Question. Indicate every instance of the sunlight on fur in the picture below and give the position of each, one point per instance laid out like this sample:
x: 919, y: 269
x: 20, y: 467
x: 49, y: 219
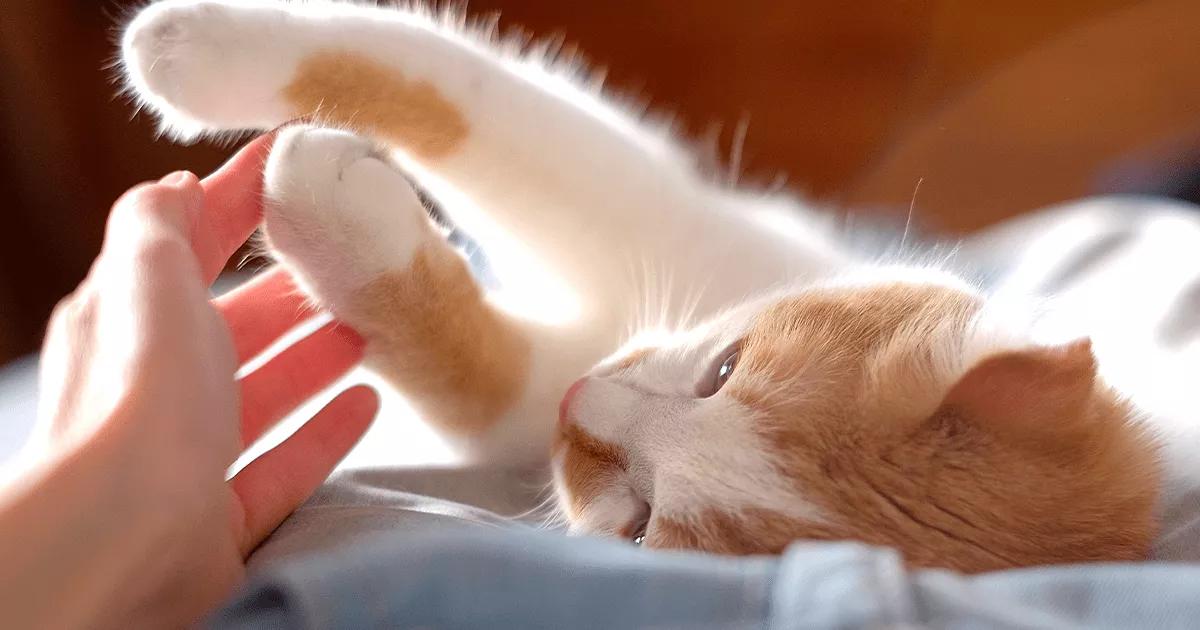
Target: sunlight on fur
x: 701, y: 367
x: 531, y: 289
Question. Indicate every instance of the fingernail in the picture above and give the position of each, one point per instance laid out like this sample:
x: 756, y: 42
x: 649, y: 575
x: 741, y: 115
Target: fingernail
x: 186, y: 183
x: 176, y: 179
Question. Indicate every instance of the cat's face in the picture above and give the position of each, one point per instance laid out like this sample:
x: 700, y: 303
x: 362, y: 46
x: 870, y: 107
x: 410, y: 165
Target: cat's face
x: 886, y: 412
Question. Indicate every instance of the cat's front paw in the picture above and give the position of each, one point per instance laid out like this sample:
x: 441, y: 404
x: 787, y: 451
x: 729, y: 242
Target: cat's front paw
x: 206, y: 63
x: 338, y: 211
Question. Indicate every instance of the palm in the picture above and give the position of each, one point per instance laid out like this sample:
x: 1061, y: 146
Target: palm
x: 140, y: 363
x: 186, y: 350
x: 256, y: 315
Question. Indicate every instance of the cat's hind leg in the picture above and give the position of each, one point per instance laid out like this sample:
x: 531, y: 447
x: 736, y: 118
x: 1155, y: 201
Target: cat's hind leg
x: 348, y: 224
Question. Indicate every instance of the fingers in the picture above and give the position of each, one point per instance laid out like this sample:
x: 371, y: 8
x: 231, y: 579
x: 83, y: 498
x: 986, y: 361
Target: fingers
x: 161, y: 210
x: 215, y: 216
x: 274, y: 485
x: 297, y: 374
x: 232, y: 206
x: 262, y: 310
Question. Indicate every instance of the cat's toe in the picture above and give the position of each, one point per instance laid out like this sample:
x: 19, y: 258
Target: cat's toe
x: 199, y: 64
x: 338, y: 210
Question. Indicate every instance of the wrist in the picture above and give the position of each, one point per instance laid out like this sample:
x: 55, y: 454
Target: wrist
x: 74, y: 537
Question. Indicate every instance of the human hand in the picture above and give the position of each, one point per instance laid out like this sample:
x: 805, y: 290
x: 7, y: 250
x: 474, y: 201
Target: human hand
x: 139, y: 388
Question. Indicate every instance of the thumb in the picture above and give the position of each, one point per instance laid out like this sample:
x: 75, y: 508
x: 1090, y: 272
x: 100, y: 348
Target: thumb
x: 166, y: 208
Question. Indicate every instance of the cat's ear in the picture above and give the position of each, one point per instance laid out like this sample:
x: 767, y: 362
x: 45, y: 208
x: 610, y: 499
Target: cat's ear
x: 1035, y: 393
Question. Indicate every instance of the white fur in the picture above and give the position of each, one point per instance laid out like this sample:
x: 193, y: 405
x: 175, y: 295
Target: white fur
x: 583, y: 188
x: 570, y: 164
x: 605, y: 200
x: 686, y: 453
x: 339, y: 214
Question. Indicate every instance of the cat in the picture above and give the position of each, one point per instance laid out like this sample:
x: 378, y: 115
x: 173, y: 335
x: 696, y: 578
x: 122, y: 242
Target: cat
x: 822, y: 397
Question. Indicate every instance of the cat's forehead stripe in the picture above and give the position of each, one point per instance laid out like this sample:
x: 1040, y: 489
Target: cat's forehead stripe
x: 633, y: 358
x: 857, y: 318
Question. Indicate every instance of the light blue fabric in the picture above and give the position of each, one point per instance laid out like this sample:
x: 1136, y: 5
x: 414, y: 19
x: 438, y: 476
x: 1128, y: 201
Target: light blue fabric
x: 514, y: 578
x: 523, y: 579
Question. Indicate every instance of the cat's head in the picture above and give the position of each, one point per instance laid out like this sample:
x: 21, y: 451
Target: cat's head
x: 891, y: 412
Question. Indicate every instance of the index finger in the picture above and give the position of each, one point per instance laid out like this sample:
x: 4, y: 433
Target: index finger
x: 232, y: 206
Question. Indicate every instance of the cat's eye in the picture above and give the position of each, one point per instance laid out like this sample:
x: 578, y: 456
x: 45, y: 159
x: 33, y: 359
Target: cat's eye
x: 725, y: 370
x: 716, y: 376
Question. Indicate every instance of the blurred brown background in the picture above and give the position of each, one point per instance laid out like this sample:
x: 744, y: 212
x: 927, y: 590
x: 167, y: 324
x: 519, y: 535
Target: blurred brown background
x: 1001, y: 107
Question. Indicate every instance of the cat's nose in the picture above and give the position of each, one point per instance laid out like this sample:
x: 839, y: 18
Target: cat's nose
x: 564, y: 406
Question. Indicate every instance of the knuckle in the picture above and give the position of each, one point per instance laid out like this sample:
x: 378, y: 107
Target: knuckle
x: 73, y: 309
x: 64, y: 309
x: 151, y: 201
x: 164, y: 251
x: 158, y: 200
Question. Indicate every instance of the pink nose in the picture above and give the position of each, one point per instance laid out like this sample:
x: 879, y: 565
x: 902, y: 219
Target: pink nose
x: 564, y: 406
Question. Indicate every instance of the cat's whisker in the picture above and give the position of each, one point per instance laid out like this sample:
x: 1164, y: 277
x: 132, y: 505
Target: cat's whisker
x: 912, y: 206
x: 653, y: 295
x: 737, y: 146
x: 664, y: 298
x: 691, y: 305
x: 546, y: 510
x: 632, y: 280
x: 644, y: 303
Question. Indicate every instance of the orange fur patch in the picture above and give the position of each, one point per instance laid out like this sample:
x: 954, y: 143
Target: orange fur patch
x: 747, y: 532
x: 847, y: 325
x: 1028, y: 459
x: 1023, y: 458
x: 352, y: 91
x: 588, y: 466
x: 631, y: 359
x: 461, y: 362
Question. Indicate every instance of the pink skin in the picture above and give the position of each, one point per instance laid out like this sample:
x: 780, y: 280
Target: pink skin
x: 125, y: 519
x: 564, y: 406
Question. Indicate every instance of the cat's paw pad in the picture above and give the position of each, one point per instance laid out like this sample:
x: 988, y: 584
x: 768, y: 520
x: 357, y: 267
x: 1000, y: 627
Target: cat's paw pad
x: 338, y: 211
x: 203, y: 62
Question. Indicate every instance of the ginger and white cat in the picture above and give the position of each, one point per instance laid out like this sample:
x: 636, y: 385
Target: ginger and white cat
x: 823, y: 397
